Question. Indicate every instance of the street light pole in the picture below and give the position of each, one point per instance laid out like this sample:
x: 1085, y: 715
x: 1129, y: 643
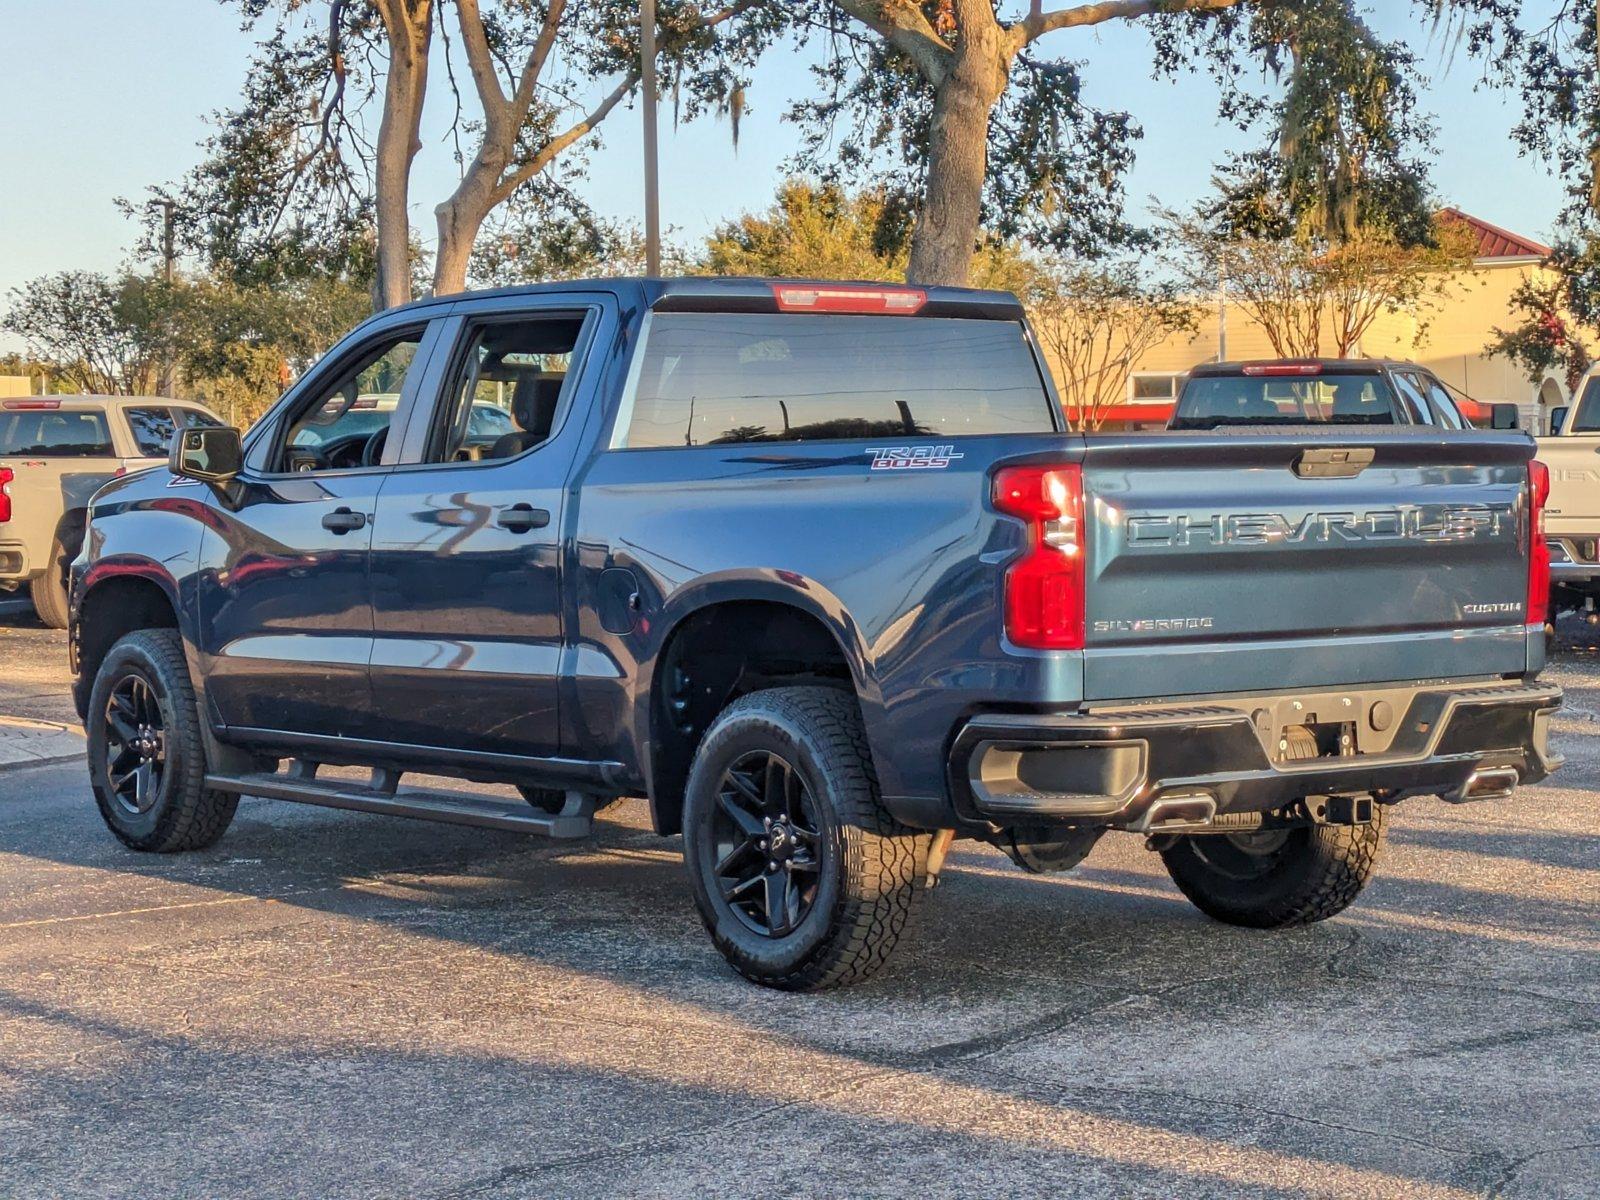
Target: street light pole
x: 647, y: 84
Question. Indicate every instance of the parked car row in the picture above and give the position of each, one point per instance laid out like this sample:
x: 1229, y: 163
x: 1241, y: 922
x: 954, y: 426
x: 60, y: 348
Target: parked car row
x: 818, y: 570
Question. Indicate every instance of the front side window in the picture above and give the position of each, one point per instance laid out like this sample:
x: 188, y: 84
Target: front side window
x: 507, y: 390
x: 719, y: 378
x: 1443, y: 403
x: 1213, y: 401
x: 347, y: 424
x: 54, y: 434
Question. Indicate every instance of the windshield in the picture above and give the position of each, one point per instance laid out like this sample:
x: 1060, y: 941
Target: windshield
x: 1210, y: 401
x: 340, y: 417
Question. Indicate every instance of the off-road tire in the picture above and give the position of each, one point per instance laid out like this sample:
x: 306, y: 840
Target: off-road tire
x: 49, y: 590
x: 186, y: 814
x: 874, y: 871
x: 1317, y: 874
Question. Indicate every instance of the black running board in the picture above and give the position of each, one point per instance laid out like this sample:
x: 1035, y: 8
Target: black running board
x: 451, y: 808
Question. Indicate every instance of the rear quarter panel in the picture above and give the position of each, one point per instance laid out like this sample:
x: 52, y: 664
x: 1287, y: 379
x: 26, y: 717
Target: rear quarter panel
x: 904, y: 567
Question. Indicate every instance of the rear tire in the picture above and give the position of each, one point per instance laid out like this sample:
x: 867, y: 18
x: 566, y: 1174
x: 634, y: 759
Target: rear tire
x: 1276, y: 878
x: 147, y: 758
x: 49, y: 591
x: 802, y: 877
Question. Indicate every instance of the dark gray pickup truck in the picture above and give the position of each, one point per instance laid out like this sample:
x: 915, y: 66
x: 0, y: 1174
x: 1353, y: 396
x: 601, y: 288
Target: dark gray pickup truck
x: 816, y: 569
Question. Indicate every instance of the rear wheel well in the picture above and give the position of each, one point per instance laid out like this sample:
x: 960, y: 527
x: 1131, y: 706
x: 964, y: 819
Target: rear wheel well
x: 712, y: 658
x: 109, y: 612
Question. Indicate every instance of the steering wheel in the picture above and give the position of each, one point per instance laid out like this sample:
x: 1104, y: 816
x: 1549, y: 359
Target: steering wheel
x: 373, y: 450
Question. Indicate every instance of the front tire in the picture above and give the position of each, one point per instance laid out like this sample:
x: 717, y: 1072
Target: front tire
x: 1276, y: 878
x: 802, y: 877
x: 147, y: 759
x: 49, y: 590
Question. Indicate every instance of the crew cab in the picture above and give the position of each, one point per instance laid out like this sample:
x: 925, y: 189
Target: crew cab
x: 1297, y: 391
x: 54, y: 452
x: 818, y: 571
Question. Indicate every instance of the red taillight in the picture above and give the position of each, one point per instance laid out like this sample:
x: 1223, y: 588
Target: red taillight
x: 1538, y: 548
x: 804, y: 298
x: 6, y: 476
x: 1045, y: 587
x: 29, y: 405
x: 1282, y: 368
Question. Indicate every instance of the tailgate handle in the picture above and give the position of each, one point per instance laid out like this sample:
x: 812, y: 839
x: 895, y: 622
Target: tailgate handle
x: 1333, y: 463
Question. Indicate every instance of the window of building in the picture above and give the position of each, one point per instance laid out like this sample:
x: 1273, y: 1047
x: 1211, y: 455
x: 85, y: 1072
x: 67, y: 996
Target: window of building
x: 1153, y: 389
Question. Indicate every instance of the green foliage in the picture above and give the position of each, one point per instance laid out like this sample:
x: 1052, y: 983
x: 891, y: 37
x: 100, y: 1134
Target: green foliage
x: 1056, y: 162
x: 1543, y: 341
x: 234, y: 346
x: 821, y: 231
x: 1344, y: 137
x: 102, y: 334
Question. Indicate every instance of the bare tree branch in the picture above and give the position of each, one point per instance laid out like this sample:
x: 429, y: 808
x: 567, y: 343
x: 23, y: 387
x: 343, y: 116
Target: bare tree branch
x: 903, y: 25
x: 1038, y: 22
x: 547, y: 154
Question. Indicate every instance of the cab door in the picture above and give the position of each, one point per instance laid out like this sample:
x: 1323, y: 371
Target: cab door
x: 285, y: 595
x: 467, y: 556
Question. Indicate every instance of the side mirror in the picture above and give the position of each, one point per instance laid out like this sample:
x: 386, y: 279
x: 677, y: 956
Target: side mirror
x: 211, y: 454
x: 1558, y: 418
x: 1502, y: 416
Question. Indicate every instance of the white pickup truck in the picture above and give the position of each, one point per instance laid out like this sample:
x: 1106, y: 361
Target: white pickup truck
x: 56, y: 452
x: 1572, y: 515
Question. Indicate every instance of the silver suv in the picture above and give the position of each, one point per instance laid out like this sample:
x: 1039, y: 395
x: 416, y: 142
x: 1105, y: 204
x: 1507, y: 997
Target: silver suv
x: 55, y: 452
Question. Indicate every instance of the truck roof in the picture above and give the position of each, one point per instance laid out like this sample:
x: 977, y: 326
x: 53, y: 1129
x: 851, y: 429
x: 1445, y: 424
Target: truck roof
x: 727, y: 293
x: 84, y: 400
x: 1331, y: 366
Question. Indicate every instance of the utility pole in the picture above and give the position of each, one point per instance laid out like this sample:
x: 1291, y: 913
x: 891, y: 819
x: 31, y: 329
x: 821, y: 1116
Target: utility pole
x: 647, y: 84
x: 169, y: 256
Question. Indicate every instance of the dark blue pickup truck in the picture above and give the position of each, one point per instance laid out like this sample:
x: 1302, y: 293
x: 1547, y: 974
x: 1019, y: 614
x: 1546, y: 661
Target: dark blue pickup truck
x: 817, y: 569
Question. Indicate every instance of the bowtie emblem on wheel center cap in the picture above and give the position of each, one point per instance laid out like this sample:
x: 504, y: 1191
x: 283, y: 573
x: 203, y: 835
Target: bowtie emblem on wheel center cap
x: 779, y: 840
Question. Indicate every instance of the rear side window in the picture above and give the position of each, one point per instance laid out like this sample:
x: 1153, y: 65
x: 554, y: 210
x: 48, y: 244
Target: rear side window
x: 718, y: 378
x: 1211, y: 401
x: 54, y: 434
x: 152, y: 430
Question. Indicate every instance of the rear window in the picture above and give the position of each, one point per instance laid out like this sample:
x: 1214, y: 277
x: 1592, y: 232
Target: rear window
x: 55, y: 434
x: 1210, y: 401
x: 1586, y: 419
x: 718, y: 378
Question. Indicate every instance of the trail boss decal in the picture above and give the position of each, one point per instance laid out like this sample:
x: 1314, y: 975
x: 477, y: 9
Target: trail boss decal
x: 912, y: 458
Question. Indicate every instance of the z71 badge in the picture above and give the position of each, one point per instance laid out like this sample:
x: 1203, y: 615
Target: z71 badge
x: 912, y: 458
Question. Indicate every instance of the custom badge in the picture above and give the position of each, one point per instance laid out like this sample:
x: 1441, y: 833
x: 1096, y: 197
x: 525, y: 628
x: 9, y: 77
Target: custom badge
x: 912, y: 458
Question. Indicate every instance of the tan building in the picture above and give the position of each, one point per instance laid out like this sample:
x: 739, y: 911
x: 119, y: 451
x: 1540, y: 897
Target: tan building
x: 1451, y: 344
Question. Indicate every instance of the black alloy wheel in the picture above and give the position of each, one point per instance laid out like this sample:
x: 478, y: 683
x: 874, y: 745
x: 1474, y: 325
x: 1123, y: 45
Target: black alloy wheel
x: 136, y: 744
x: 768, y: 844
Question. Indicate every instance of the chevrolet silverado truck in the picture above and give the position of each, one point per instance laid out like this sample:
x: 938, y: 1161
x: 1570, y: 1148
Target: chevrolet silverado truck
x: 55, y: 451
x: 818, y: 571
x: 1294, y: 391
x: 1572, y: 521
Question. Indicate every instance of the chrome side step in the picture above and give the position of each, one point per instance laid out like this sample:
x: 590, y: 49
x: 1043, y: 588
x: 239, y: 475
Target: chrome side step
x: 300, y: 785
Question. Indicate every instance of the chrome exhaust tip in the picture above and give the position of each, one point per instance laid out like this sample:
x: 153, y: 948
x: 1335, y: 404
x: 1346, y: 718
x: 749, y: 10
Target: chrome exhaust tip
x: 1496, y: 783
x: 1174, y: 814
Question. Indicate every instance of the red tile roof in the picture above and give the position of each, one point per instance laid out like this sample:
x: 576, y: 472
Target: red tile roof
x: 1494, y: 242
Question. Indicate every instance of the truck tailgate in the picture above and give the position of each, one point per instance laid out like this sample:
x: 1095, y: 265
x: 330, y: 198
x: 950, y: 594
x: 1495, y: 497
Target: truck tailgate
x: 1232, y: 561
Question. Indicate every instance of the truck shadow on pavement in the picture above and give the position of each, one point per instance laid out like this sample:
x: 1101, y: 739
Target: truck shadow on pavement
x: 334, y: 1005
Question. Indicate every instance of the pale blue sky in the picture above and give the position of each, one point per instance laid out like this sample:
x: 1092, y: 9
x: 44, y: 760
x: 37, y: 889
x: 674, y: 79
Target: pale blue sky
x: 104, y: 97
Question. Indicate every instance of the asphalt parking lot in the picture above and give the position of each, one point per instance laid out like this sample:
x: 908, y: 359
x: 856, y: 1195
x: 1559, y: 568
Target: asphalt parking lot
x: 336, y: 1005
